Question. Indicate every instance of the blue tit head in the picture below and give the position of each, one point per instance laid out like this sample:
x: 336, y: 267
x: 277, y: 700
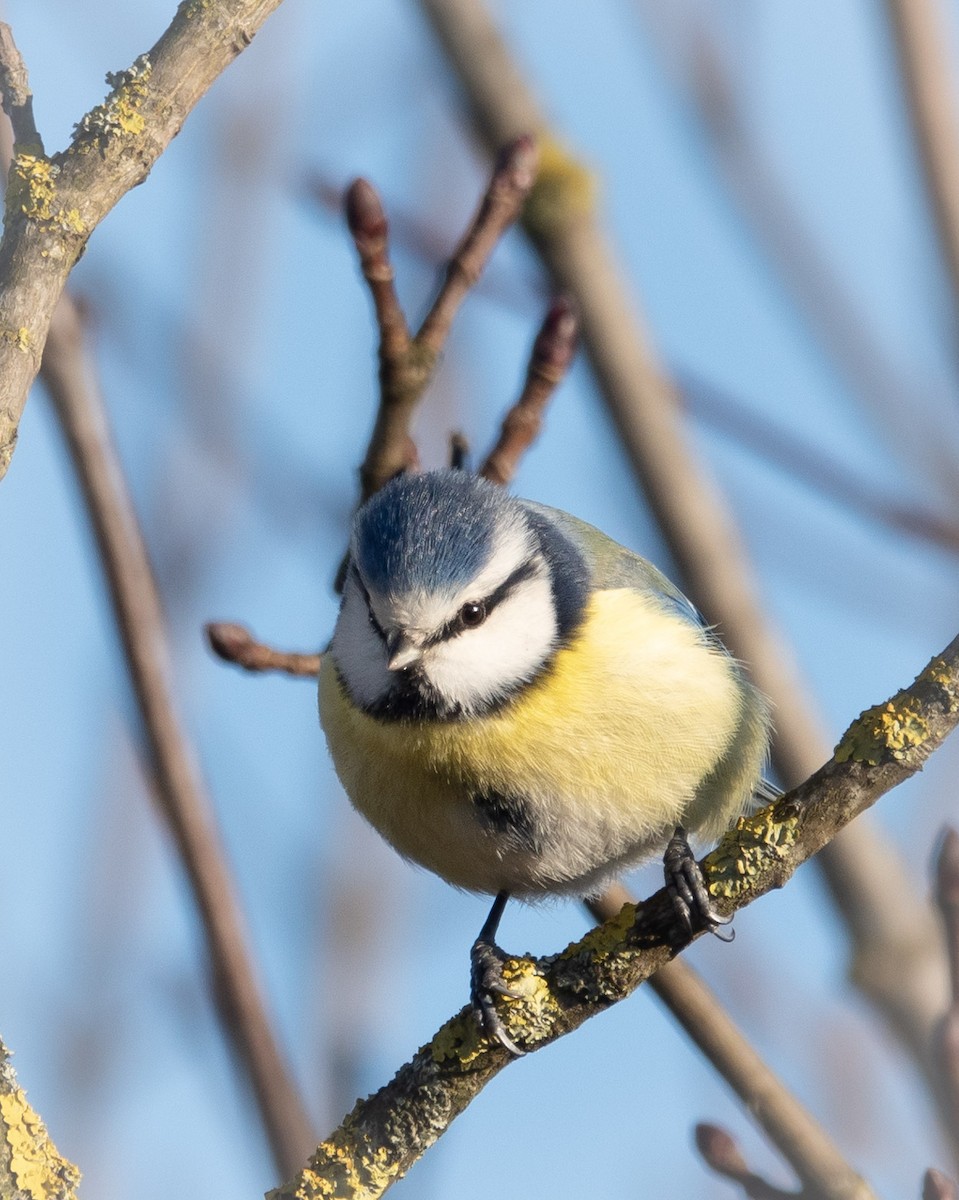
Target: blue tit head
x: 457, y: 596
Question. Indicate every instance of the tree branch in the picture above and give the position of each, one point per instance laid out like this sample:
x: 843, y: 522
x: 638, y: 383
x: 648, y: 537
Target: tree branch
x: 720, y: 1152
x: 235, y: 644
x: 407, y: 363
x: 947, y: 1035
x: 549, y: 361
x: 793, y: 1130
x: 54, y: 203
x: 922, y: 43
x: 887, y: 922
x: 30, y: 1164
x: 184, y: 802
x: 16, y: 94
x: 385, y: 1134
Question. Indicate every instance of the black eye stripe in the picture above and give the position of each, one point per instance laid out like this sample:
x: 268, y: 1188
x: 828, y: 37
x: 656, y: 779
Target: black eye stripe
x: 369, y: 603
x: 526, y: 570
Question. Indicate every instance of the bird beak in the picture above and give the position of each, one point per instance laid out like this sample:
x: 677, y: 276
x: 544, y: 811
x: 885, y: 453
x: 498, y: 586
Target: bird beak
x: 402, y: 651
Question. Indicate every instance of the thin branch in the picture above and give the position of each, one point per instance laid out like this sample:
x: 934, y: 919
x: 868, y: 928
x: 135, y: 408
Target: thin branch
x: 922, y: 42
x: 549, y: 361
x: 54, y: 203
x: 186, y: 806
x: 16, y: 94
x: 947, y: 1037
x: 235, y: 644
x: 386, y: 1133
x: 33, y: 1166
x: 801, y: 1140
x: 720, y: 1151
x: 888, y: 923
x: 936, y: 1186
x: 407, y: 363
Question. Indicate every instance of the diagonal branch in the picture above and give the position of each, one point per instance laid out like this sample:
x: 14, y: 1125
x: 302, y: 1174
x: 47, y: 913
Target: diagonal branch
x: 887, y: 921
x: 30, y: 1164
x: 235, y: 644
x: 922, y: 44
x: 386, y: 1133
x: 183, y: 798
x: 16, y: 94
x: 55, y: 202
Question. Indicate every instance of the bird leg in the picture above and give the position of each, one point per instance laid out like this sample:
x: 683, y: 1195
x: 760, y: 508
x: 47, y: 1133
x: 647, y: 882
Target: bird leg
x: 687, y: 889
x: 486, y: 978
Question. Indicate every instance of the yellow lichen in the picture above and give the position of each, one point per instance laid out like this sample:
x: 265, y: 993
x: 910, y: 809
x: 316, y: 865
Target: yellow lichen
x: 119, y: 114
x: 460, y: 1040
x: 32, y: 191
x: 938, y: 673
x: 891, y: 729
x: 37, y: 1168
x: 606, y: 938
x: 564, y: 190
x: 19, y: 337
x: 747, y: 849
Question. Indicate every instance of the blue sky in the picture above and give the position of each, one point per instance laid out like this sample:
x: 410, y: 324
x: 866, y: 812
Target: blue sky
x: 236, y: 355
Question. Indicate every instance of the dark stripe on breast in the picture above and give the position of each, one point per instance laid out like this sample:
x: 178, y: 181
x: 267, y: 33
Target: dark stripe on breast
x: 508, y: 816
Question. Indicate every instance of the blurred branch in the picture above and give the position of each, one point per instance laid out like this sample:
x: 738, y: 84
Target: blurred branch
x: 549, y: 361
x: 30, y: 1164
x: 810, y: 274
x: 922, y: 42
x: 720, y: 1152
x: 54, y: 203
x: 947, y: 1036
x: 407, y: 362
x: 16, y: 94
x: 800, y: 1139
x: 68, y: 376
x: 936, y: 1186
x: 386, y: 1133
x: 235, y: 644
x: 889, y: 924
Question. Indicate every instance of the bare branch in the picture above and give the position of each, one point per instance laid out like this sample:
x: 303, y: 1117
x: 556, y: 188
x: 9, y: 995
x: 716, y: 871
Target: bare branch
x: 922, y: 42
x: 34, y: 1166
x: 55, y: 203
x: 789, y: 1126
x: 721, y: 1152
x: 15, y: 90
x: 947, y: 1036
x: 385, y: 1134
x: 235, y: 644
x: 512, y: 181
x: 936, y: 1186
x: 887, y: 921
x: 552, y: 353
x: 407, y: 364
x: 136, y: 603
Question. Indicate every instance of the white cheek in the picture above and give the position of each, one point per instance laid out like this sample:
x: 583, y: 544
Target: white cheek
x: 358, y: 650
x: 482, y: 664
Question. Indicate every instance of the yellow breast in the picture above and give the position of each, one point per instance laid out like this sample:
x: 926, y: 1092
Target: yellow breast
x: 607, y: 750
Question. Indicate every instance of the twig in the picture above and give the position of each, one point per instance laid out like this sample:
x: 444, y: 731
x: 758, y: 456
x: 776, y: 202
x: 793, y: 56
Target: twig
x: 15, y: 90
x: 922, y: 43
x: 947, y: 1037
x: 936, y: 1186
x: 33, y: 1166
x: 888, y: 923
x: 54, y: 203
x: 68, y: 376
x: 407, y: 362
x: 385, y: 1134
x: 552, y: 353
x: 235, y: 644
x: 720, y: 1151
x: 797, y: 1135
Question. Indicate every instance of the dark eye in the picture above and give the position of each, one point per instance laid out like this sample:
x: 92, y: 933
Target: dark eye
x: 473, y: 614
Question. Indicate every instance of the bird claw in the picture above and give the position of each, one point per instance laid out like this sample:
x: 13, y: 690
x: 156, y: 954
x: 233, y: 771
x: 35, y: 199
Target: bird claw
x: 487, y: 982
x: 687, y: 890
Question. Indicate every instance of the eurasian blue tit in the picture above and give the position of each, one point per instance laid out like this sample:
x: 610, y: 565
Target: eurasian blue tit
x: 527, y: 708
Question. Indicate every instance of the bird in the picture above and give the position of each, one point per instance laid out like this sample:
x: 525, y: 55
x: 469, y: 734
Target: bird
x: 525, y: 707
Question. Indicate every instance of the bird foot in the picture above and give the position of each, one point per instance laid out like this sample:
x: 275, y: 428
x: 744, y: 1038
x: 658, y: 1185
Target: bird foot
x: 486, y: 983
x: 687, y: 889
